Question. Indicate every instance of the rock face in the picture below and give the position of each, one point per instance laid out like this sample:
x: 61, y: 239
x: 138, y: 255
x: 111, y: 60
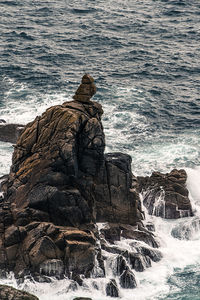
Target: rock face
x: 59, y: 186
x: 10, y: 132
x: 8, y: 292
x: 166, y: 195
x: 112, y: 289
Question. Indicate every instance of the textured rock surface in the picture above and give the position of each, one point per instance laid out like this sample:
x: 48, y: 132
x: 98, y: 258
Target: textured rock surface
x: 10, y: 132
x: 112, y: 289
x: 166, y: 195
x: 9, y: 293
x: 59, y: 186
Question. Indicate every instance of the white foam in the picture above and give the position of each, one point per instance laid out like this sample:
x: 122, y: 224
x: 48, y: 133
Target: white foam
x: 6, y: 150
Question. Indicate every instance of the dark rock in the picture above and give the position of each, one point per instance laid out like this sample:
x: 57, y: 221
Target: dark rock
x: 150, y: 226
x: 121, y: 265
x: 139, y: 262
x: 82, y: 298
x: 117, y: 201
x: 166, y: 195
x: 153, y: 254
x: 8, y: 292
x: 112, y: 289
x: 77, y: 278
x: 111, y: 233
x: 80, y: 257
x: 127, y: 280
x: 114, y: 232
x: 60, y: 184
x: 10, y: 132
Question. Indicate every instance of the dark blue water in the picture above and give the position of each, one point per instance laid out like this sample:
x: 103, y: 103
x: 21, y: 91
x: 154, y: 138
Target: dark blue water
x: 144, y: 56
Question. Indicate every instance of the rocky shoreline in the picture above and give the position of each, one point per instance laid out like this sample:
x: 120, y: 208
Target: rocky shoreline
x: 61, y: 186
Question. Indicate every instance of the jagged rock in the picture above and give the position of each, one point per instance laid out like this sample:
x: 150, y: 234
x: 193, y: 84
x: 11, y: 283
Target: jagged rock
x: 77, y: 278
x: 114, y: 232
x: 10, y: 132
x: 139, y: 262
x: 127, y: 280
x: 119, y: 265
x: 14, y: 235
x: 112, y: 289
x: 111, y: 232
x: 150, y: 226
x: 166, y: 195
x: 80, y: 257
x: 154, y: 254
x: 117, y: 200
x: 140, y: 234
x: 86, y: 89
x: 10, y: 293
x: 60, y: 184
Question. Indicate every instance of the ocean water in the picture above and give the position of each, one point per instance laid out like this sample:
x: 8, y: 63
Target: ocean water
x: 144, y: 56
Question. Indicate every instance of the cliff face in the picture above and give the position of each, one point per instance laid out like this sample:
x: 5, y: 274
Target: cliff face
x: 59, y: 186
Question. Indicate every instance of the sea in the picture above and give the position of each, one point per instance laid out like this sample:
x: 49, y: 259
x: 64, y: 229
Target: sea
x: 145, y: 59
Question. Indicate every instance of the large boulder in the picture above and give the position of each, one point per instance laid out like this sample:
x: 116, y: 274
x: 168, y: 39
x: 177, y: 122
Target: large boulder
x: 166, y: 195
x: 60, y: 184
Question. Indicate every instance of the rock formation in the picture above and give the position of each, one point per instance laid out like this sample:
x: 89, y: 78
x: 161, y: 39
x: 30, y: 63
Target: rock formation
x: 166, y: 195
x: 61, y: 185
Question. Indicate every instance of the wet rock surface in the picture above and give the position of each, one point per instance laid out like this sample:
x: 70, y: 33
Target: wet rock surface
x: 166, y: 195
x: 59, y: 186
x: 127, y: 280
x: 10, y: 293
x: 112, y: 289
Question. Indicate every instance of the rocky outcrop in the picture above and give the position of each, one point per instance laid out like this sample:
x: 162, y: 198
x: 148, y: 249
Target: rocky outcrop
x: 59, y: 186
x: 117, y: 199
x: 8, y: 292
x: 166, y: 195
x: 10, y: 132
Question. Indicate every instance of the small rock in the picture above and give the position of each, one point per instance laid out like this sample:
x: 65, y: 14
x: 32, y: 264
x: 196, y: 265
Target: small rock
x: 127, y: 280
x: 112, y: 289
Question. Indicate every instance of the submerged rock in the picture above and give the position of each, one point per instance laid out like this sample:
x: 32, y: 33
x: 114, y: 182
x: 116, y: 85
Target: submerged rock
x: 166, y: 195
x: 10, y: 293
